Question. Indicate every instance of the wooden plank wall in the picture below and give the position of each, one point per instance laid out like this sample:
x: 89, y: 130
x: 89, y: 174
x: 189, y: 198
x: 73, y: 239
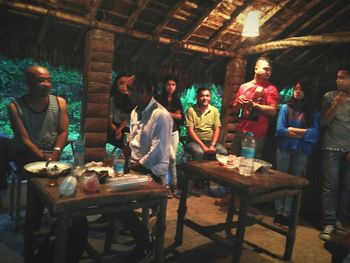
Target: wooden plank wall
x: 99, y: 53
x: 234, y: 77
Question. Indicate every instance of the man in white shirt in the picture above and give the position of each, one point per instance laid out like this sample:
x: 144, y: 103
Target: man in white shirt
x: 150, y: 144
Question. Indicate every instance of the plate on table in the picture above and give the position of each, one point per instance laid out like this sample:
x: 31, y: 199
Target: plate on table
x: 96, y: 167
x: 39, y: 169
x: 261, y: 164
x: 230, y: 161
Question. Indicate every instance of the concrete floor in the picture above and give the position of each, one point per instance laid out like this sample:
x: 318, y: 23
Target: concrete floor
x: 196, y: 248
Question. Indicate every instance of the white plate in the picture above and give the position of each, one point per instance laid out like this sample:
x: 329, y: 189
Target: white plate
x: 38, y: 167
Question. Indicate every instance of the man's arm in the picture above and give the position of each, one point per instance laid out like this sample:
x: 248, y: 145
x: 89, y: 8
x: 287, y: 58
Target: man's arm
x: 270, y: 110
x: 21, y: 132
x: 62, y: 135
x: 329, y: 113
x: 192, y: 134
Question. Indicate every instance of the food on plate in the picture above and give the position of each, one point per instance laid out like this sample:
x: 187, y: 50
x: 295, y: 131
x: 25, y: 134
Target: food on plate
x: 101, y: 174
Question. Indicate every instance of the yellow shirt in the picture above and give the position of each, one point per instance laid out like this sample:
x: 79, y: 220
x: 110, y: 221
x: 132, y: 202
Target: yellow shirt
x: 203, y: 123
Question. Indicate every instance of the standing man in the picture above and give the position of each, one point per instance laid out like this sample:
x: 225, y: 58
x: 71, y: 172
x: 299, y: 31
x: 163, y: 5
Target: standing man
x: 256, y: 101
x: 149, y: 142
x: 336, y: 155
x: 203, y: 127
x: 39, y: 120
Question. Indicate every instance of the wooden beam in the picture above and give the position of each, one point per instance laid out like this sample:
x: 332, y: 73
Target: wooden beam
x: 317, y: 29
x: 27, y: 8
x: 201, y: 20
x: 167, y: 18
x: 334, y: 38
x: 295, y: 17
x: 228, y: 23
x: 272, y: 12
x: 133, y: 17
x: 95, y: 5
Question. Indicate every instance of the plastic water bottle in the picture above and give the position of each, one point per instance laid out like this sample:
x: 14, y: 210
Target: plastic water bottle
x: 79, y: 149
x: 119, y: 162
x: 246, y: 164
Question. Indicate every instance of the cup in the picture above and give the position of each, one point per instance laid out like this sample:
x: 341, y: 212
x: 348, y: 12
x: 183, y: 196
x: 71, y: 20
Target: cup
x: 90, y: 183
x: 52, y: 175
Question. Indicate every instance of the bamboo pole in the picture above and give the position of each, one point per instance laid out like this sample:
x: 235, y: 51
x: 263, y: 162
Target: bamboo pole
x: 115, y: 29
x: 327, y: 39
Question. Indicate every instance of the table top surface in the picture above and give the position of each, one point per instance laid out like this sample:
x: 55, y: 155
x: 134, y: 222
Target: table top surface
x: 103, y: 197
x: 259, y: 182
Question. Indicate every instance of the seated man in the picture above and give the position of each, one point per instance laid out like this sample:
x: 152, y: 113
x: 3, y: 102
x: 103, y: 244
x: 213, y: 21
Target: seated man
x: 39, y: 120
x: 149, y: 142
x: 40, y: 125
x: 203, y: 127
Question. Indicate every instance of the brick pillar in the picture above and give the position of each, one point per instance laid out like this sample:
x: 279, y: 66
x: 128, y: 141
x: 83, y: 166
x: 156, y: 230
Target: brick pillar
x: 99, y: 53
x: 234, y: 77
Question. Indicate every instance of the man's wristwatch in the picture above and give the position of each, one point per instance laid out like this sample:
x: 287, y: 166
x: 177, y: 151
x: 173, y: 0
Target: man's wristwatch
x: 58, y: 149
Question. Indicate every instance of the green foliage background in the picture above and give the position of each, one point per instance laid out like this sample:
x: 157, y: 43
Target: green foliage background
x: 67, y: 83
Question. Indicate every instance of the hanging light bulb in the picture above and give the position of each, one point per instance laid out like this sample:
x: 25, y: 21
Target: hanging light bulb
x: 251, y: 25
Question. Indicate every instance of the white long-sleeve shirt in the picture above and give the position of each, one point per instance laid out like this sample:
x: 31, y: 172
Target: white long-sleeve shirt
x: 150, y: 137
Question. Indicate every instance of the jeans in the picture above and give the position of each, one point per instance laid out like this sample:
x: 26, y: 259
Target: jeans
x: 336, y: 186
x: 197, y: 153
x: 291, y: 162
x: 171, y: 177
x: 236, y: 145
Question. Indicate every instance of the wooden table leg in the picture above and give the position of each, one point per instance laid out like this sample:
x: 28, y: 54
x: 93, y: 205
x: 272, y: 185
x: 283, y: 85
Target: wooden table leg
x: 161, y: 226
x: 242, y: 217
x: 229, y: 217
x: 181, y: 212
x: 292, y: 227
x: 61, y: 238
x: 29, y: 225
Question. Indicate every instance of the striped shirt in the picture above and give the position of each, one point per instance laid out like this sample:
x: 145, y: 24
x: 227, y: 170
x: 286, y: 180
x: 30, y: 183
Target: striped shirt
x: 42, y: 127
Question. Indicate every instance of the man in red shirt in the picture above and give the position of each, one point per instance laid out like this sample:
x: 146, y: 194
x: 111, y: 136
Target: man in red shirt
x: 255, y: 102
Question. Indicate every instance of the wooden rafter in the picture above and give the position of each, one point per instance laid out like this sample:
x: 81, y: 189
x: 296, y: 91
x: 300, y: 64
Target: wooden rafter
x: 295, y: 17
x: 227, y: 23
x: 95, y: 4
x: 167, y: 18
x: 317, y: 29
x: 116, y: 29
x: 335, y: 38
x: 133, y: 17
x: 272, y: 12
x: 201, y: 20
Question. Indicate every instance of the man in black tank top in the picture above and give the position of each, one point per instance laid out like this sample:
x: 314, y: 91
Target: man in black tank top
x: 25, y: 113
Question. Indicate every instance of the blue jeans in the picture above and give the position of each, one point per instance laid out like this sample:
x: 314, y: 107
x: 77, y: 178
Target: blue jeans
x: 291, y: 162
x: 197, y: 153
x: 336, y: 186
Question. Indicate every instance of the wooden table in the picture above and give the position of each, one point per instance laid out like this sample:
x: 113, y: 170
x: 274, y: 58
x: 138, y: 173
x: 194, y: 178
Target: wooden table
x: 146, y: 195
x: 250, y: 190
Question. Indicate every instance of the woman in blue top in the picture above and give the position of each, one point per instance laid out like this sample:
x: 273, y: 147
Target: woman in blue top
x: 297, y: 133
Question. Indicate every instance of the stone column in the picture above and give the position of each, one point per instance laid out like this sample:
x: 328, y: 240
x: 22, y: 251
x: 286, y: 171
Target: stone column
x: 99, y: 53
x: 234, y: 77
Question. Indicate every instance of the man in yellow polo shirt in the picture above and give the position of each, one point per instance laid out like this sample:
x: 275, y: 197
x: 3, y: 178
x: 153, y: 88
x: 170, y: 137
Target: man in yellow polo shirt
x: 203, y: 127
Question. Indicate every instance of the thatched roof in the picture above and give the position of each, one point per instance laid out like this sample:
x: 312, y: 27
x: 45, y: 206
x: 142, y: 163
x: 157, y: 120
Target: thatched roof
x: 193, y: 37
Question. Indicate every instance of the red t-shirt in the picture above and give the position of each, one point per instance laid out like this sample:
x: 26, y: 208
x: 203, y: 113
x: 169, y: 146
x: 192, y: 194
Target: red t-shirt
x: 268, y: 96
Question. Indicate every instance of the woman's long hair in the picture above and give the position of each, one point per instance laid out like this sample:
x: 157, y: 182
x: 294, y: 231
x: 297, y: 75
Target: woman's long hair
x: 306, y: 104
x: 164, y: 93
x: 120, y: 100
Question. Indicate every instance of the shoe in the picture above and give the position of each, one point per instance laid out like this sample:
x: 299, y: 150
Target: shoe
x: 141, y: 254
x: 339, y: 229
x: 327, y: 232
x: 169, y: 194
x: 177, y: 193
